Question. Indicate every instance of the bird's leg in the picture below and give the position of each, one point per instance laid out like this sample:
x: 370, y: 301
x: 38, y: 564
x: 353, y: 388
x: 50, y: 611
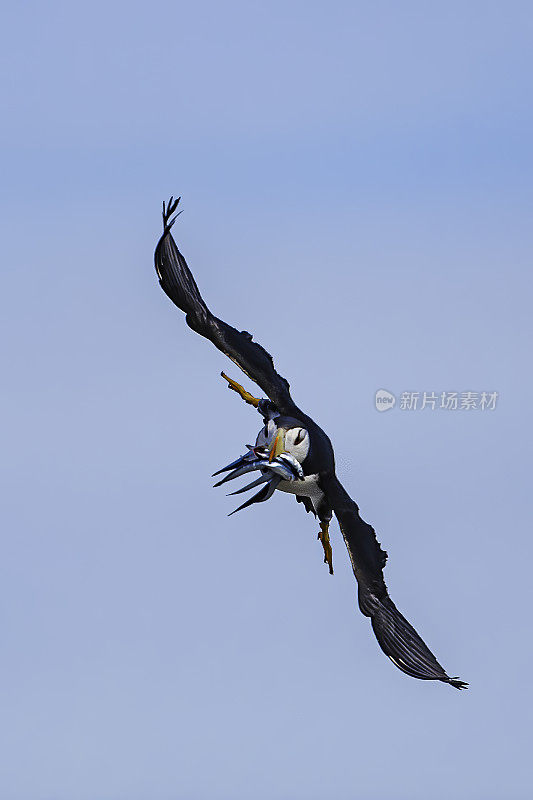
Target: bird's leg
x: 323, y: 535
x: 246, y: 396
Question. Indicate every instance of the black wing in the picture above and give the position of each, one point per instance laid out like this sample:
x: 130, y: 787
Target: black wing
x: 396, y: 637
x: 178, y: 283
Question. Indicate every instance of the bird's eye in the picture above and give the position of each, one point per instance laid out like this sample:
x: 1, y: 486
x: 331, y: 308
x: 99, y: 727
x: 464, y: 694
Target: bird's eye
x: 299, y: 436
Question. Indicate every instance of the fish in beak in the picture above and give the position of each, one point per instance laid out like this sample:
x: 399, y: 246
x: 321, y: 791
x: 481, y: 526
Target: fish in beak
x: 274, y: 465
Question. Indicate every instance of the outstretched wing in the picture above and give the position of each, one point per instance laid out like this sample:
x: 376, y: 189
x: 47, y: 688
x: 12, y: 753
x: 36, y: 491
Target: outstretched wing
x: 178, y: 283
x: 396, y: 637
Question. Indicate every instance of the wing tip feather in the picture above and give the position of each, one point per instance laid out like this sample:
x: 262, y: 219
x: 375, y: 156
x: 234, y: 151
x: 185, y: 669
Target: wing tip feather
x: 457, y: 683
x: 402, y: 644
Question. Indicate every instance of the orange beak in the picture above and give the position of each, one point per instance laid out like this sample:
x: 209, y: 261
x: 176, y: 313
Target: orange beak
x: 278, y: 446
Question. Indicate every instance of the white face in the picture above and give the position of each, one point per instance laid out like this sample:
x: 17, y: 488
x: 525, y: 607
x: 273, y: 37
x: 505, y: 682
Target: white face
x: 296, y: 440
x: 297, y: 443
x: 266, y: 435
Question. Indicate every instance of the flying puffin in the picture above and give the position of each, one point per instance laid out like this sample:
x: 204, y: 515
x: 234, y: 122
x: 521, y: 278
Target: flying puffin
x: 293, y: 454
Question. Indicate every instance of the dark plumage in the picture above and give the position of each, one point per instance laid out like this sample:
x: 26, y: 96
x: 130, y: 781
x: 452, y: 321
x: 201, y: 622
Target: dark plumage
x: 396, y: 637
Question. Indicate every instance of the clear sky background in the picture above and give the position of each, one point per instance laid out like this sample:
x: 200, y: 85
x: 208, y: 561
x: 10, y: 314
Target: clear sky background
x: 356, y: 180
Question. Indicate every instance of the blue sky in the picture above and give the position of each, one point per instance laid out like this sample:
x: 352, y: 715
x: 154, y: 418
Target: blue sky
x: 356, y: 183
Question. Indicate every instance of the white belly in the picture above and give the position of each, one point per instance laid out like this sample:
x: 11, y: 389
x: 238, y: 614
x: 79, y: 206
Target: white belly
x: 308, y: 487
